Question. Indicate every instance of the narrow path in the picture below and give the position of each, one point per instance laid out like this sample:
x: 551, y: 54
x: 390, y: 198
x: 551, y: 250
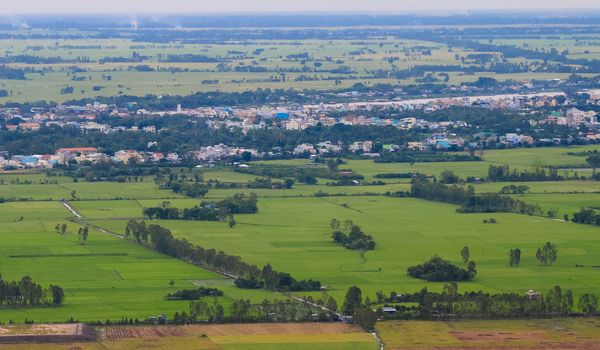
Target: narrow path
x: 67, y: 205
x: 78, y: 220
x: 378, y: 339
x: 98, y: 228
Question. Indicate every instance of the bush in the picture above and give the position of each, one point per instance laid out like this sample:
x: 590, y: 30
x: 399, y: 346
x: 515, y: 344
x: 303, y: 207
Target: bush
x: 437, y: 269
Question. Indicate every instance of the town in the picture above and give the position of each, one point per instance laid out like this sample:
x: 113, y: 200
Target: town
x: 559, y: 111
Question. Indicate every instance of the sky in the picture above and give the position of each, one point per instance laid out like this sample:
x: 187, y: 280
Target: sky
x: 255, y: 6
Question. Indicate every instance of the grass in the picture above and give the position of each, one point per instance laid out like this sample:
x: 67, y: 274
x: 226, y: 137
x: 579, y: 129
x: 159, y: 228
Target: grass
x: 111, y: 278
x: 108, y: 278
x: 293, y: 235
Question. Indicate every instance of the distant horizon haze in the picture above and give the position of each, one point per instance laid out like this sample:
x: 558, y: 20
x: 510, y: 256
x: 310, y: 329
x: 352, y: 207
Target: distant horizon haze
x: 199, y: 7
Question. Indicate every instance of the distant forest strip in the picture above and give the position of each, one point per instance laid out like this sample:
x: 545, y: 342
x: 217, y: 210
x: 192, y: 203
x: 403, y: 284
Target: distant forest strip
x: 467, y: 199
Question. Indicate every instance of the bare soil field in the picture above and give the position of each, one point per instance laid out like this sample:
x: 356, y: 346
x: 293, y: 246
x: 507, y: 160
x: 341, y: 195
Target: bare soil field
x: 153, y: 332
x: 46, y: 333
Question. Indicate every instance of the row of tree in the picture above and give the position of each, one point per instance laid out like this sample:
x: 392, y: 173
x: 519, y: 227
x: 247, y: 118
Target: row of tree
x: 25, y: 293
x: 194, y: 294
x: 163, y: 241
x: 466, y: 198
x: 306, y: 175
x: 424, y: 157
x: 503, y: 173
x: 268, y: 183
x: 239, y: 203
x: 450, y: 303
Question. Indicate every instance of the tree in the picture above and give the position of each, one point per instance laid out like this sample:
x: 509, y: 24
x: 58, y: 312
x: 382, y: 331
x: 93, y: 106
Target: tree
x: 63, y: 228
x: 380, y: 296
x: 231, y: 221
x: 588, y: 304
x: 450, y: 290
x: 448, y: 177
x: 332, y: 306
x: 86, y: 232
x: 198, y: 308
x: 472, y: 269
x: 366, y: 318
x: 540, y: 256
x: 219, y: 313
x: 332, y: 164
x: 514, y: 257
x: 58, y: 295
x: 554, y: 301
x: 352, y: 301
x: 548, y: 254
x: 334, y: 224
x: 465, y: 254
x: 567, y: 302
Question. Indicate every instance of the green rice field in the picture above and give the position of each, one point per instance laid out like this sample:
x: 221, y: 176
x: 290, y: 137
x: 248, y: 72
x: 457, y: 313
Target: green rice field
x: 111, y: 278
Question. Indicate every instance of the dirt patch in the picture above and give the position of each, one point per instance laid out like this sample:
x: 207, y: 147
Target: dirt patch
x: 42, y: 329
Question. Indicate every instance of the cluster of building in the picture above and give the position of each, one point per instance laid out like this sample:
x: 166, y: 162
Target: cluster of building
x: 289, y: 116
x: 572, y: 117
x: 296, y: 117
x: 77, y: 155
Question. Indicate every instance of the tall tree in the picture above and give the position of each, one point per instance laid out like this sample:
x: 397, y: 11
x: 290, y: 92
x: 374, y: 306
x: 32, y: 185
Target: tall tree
x: 465, y: 254
x: 352, y: 301
x: 85, y: 234
x: 514, y: 257
x: 548, y: 254
x: 58, y: 295
x: 588, y: 304
x: 366, y: 318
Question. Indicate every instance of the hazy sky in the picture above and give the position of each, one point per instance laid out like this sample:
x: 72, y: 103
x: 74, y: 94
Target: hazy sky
x: 211, y: 6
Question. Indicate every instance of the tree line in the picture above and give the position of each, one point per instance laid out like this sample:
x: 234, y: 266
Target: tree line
x: 242, y: 310
x: 163, y: 241
x: 450, y: 303
x: 222, y: 210
x: 194, y: 294
x: 468, y: 201
x: 191, y: 187
x: 301, y: 174
x: 26, y: 293
x: 503, y: 173
x: 424, y: 157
